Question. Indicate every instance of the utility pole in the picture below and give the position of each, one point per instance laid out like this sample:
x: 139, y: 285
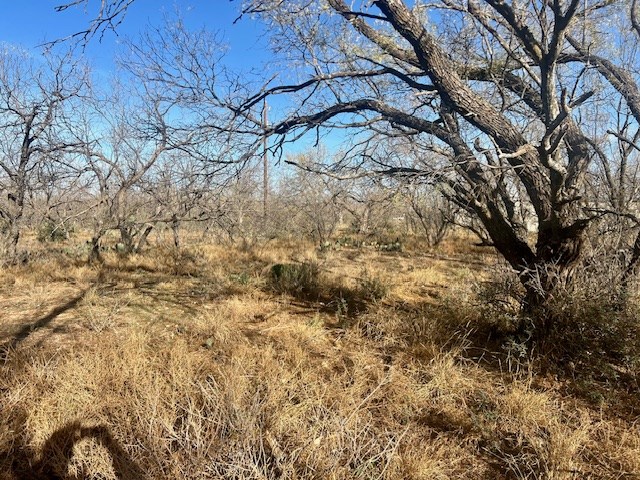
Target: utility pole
x: 265, y: 163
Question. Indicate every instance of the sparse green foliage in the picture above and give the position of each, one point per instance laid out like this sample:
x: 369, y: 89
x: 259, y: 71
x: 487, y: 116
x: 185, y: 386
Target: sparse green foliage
x: 295, y: 278
x: 371, y: 287
x: 241, y: 278
x: 53, y: 232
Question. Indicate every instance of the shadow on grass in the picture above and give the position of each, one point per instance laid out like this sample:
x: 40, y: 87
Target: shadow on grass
x: 57, y: 455
x: 305, y: 284
x: 30, y: 328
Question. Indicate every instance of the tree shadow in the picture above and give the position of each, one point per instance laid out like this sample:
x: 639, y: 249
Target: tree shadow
x: 30, y: 328
x: 57, y: 455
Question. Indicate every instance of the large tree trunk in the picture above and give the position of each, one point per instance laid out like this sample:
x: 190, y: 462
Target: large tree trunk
x: 555, y: 258
x: 14, y: 228
x: 126, y: 245
x: 11, y: 241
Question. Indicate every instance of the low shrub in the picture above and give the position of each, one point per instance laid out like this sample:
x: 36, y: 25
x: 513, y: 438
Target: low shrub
x: 50, y: 231
x: 597, y: 312
x: 295, y: 278
x: 593, y: 317
x: 372, y: 288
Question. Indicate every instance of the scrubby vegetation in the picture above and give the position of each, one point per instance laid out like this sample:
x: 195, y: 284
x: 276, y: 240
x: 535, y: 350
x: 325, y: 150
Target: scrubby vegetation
x: 265, y: 269
x: 289, y: 361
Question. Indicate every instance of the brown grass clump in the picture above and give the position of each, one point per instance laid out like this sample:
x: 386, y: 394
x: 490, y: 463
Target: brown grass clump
x: 187, y: 364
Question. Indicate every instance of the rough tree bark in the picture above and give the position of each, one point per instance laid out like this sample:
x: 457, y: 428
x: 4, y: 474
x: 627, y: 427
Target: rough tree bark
x: 505, y: 103
x: 473, y: 111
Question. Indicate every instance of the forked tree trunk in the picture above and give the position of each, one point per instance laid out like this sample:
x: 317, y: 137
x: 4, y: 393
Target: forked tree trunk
x: 14, y: 228
x: 126, y: 241
x: 142, y: 242
x: 11, y: 242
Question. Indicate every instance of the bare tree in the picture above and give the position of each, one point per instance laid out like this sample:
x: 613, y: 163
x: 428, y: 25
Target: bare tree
x: 236, y: 212
x: 511, y: 106
x: 184, y: 191
x: 506, y: 104
x: 107, y: 16
x: 136, y: 132
x: 172, y: 189
x: 429, y: 211
x: 57, y: 198
x: 36, y: 106
x: 312, y: 203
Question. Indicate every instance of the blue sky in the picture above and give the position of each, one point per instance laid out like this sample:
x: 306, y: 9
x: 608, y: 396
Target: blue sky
x: 30, y: 23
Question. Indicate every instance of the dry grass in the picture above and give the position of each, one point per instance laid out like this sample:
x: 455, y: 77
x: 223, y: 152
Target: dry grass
x: 187, y: 365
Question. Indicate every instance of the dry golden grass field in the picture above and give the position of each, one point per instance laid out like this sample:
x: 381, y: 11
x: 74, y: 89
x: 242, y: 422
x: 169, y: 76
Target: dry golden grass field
x: 371, y: 365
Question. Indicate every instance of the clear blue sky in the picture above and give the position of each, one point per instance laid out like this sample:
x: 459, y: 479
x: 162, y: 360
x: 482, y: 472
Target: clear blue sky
x: 29, y: 23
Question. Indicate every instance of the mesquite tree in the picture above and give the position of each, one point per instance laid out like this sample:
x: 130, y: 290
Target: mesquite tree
x: 510, y: 105
x: 515, y: 107
x: 126, y: 136
x: 37, y: 100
